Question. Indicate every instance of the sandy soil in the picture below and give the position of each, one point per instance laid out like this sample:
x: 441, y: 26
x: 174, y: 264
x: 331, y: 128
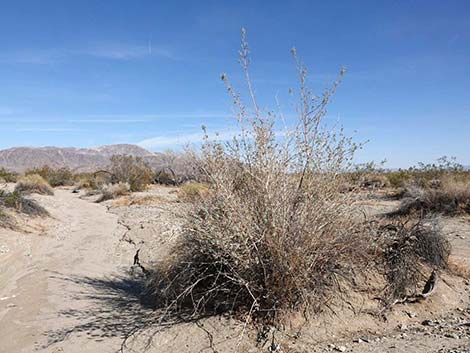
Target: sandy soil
x: 67, y: 285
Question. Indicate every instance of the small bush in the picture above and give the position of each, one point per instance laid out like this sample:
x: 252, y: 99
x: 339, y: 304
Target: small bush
x: 409, y: 248
x: 18, y: 202
x: 7, y: 176
x: 398, y: 179
x: 192, y: 191
x: 55, y: 177
x: 34, y: 184
x: 112, y: 191
x: 449, y: 199
x: 131, y: 170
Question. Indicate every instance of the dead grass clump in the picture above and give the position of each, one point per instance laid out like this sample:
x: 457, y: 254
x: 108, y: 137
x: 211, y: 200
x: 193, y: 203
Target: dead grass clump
x: 274, y: 234
x: 55, y: 177
x: 16, y: 200
x: 192, y: 191
x: 131, y: 170
x: 448, y: 199
x: 410, y: 249
x: 34, y: 184
x: 147, y: 200
x: 112, y: 191
x: 459, y: 268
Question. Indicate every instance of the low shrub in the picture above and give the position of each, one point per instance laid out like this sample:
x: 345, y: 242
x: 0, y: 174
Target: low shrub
x: 131, y: 170
x: 55, y: 177
x: 409, y: 250
x: 398, y: 178
x: 112, y: 191
x: 193, y: 190
x: 448, y: 199
x: 34, y: 183
x: 18, y: 202
x: 7, y: 176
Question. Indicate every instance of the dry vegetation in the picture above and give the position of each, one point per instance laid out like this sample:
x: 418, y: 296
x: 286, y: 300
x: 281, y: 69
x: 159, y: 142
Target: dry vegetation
x: 34, y: 183
x: 131, y: 170
x: 55, y: 177
x: 274, y: 234
x: 112, y: 191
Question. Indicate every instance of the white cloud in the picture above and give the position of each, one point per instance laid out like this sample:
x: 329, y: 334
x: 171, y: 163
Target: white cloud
x: 183, y: 139
x: 109, y: 51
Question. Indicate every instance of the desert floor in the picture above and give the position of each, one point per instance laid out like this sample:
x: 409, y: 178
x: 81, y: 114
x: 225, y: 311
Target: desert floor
x: 67, y: 284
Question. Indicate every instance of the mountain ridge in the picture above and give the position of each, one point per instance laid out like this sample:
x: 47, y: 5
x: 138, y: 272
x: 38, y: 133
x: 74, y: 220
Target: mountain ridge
x: 20, y: 159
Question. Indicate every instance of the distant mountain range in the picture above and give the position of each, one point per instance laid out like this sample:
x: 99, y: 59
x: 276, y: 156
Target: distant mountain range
x: 20, y: 159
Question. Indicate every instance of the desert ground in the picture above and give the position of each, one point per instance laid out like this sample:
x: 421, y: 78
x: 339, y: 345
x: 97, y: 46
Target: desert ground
x: 68, y: 284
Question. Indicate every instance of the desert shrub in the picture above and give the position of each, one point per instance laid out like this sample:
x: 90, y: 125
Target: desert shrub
x: 34, y: 183
x: 132, y: 170
x: 112, y: 191
x: 166, y: 176
x: 398, y: 178
x: 448, y: 199
x: 8, y: 176
x: 17, y: 201
x: 274, y: 234
x: 410, y: 248
x: 192, y: 190
x: 55, y: 177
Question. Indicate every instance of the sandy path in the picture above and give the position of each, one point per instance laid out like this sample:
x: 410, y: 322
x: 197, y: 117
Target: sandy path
x: 49, y: 296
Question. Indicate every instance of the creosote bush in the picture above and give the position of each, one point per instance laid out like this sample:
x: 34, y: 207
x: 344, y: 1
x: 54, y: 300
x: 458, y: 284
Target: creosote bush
x: 131, y: 170
x: 34, y: 184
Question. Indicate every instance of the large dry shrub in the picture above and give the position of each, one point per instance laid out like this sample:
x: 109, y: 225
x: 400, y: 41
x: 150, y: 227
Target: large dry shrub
x: 132, y: 170
x: 274, y: 234
x: 34, y: 183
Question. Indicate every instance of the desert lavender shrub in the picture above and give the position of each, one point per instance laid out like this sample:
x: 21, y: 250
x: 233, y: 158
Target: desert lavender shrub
x: 274, y: 234
x: 34, y: 183
x: 131, y: 170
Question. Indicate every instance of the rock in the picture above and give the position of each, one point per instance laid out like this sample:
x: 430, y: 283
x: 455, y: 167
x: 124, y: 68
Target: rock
x: 428, y: 323
x: 340, y: 348
x: 452, y: 335
x: 11, y: 305
x: 362, y: 339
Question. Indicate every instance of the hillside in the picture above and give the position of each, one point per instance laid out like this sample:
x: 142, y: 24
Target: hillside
x: 20, y: 159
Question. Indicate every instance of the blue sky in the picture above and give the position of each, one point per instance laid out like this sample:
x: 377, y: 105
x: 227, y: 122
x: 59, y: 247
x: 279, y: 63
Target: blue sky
x: 88, y: 73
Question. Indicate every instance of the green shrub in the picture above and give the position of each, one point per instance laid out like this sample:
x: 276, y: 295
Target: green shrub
x: 131, y: 170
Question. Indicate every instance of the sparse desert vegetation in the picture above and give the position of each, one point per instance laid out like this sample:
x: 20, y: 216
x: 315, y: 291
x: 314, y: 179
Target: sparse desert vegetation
x: 268, y: 236
x: 33, y: 183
